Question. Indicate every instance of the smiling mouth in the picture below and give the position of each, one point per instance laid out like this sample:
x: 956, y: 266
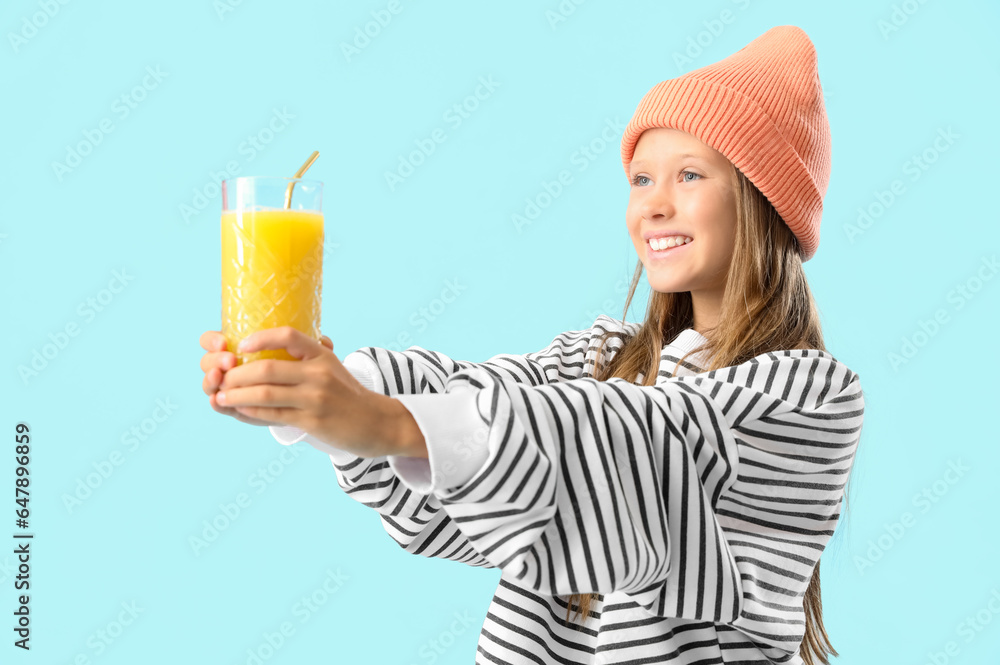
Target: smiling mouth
x: 661, y: 242
x: 668, y: 252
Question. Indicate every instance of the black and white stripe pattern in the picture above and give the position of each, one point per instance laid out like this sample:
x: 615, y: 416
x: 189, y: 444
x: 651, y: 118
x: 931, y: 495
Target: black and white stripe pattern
x: 698, y: 507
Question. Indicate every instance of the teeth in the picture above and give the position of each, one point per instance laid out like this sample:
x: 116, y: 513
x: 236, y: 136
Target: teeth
x: 668, y: 241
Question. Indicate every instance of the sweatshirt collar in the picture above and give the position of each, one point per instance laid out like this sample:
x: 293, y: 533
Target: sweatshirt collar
x: 689, y: 339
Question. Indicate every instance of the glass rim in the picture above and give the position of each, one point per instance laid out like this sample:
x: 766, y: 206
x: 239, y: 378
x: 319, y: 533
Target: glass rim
x: 272, y: 178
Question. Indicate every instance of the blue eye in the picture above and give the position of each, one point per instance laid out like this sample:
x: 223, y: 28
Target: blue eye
x: 635, y: 179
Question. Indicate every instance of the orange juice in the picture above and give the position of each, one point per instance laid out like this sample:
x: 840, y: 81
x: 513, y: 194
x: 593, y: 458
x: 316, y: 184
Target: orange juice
x: 272, y: 272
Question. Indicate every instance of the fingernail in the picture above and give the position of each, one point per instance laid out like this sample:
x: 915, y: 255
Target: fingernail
x: 243, y: 346
x: 220, y: 397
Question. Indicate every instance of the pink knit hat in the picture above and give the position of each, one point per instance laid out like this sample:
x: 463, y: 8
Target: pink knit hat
x: 762, y: 107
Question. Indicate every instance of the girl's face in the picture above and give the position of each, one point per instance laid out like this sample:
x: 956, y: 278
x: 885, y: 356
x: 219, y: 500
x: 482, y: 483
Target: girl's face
x: 682, y: 187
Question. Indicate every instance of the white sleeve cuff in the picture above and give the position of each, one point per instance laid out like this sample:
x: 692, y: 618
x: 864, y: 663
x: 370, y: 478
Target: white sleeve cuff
x: 286, y: 435
x: 360, y: 366
x: 456, y: 438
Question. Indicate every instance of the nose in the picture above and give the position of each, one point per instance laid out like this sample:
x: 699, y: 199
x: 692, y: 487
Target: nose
x: 657, y: 203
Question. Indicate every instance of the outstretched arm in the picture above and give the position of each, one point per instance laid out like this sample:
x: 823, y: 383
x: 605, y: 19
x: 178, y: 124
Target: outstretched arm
x: 396, y: 485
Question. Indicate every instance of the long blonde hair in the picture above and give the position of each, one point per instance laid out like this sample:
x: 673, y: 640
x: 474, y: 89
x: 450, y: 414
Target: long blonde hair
x: 767, y: 306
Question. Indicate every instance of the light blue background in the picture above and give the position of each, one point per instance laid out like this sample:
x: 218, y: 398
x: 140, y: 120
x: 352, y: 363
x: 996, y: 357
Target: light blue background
x: 392, y: 252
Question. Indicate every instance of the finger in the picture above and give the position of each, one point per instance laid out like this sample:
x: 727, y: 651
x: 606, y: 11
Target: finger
x: 260, y: 403
x: 295, y: 342
x: 214, y: 378
x: 210, y: 384
x: 269, y: 415
x: 233, y: 413
x: 214, y: 403
x: 212, y: 340
x: 269, y: 370
x: 222, y: 359
x: 327, y: 342
x: 263, y: 395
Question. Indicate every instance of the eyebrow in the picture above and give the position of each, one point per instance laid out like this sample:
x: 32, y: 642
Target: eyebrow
x: 642, y: 162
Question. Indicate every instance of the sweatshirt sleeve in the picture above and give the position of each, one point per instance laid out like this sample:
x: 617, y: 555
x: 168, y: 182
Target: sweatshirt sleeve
x: 706, y: 497
x: 398, y: 487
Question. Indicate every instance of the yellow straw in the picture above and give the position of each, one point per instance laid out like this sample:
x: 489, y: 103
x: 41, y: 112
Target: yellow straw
x: 298, y: 174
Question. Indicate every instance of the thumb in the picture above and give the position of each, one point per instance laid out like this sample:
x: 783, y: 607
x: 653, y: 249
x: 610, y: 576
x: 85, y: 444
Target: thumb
x: 326, y: 341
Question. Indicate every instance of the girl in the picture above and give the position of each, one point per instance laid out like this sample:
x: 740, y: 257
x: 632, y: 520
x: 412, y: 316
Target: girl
x: 675, y: 481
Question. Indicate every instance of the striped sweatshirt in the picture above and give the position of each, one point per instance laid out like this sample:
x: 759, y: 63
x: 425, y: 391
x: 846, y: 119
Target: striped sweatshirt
x: 697, y: 507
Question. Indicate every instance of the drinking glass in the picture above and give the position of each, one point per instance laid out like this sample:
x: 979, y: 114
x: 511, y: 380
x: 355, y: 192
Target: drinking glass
x: 272, y: 259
